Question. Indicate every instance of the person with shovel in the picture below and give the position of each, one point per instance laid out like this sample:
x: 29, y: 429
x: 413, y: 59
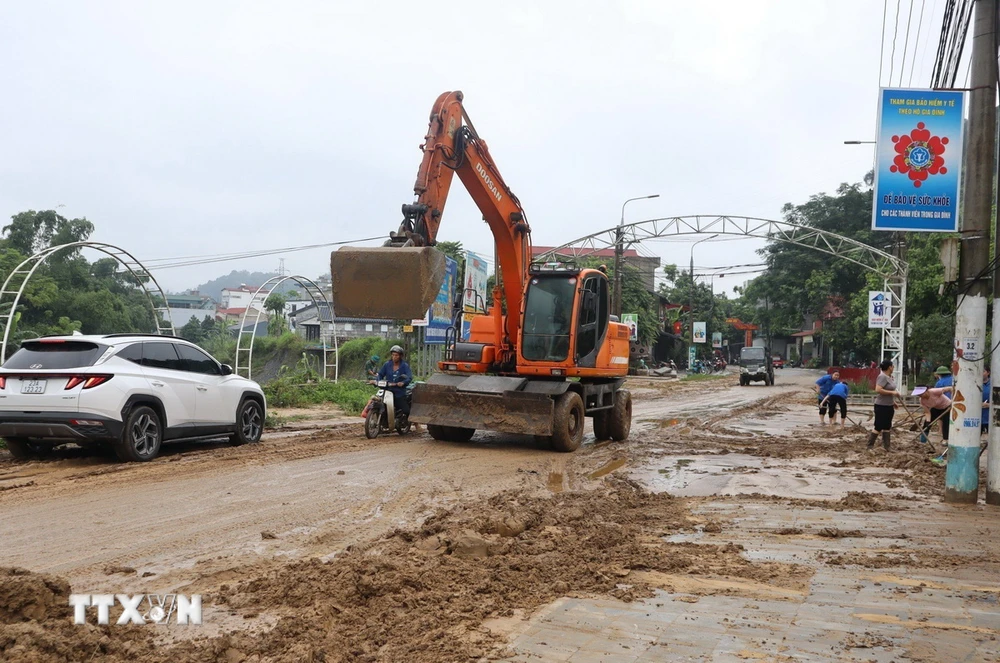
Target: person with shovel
x: 937, y: 407
x: 885, y: 405
x: 837, y: 397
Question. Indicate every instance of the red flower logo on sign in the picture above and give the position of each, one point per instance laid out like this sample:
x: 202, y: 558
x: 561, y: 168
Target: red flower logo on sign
x: 918, y: 155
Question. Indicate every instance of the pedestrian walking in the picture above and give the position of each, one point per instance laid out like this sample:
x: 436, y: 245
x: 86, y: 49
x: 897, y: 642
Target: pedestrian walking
x: 822, y: 389
x: 885, y: 405
x: 837, y: 398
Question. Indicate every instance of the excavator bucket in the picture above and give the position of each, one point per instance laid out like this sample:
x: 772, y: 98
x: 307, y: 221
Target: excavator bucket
x: 485, y: 402
x: 385, y: 282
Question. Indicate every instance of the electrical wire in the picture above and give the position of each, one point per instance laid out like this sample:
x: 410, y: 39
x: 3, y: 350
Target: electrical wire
x: 895, y: 31
x: 241, y: 256
x: 881, y: 53
x: 916, y: 44
x: 906, y: 45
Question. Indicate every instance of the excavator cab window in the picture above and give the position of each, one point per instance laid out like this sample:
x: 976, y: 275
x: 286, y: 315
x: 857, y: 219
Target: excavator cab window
x: 592, y: 322
x: 548, y: 312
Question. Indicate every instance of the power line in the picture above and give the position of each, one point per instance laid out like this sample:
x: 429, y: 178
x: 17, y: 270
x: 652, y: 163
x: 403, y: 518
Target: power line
x: 906, y: 44
x: 916, y: 44
x: 881, y: 53
x: 895, y: 31
x: 195, y: 260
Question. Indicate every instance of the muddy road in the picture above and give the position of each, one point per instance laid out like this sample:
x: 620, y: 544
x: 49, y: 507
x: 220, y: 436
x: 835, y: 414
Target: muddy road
x: 202, y: 508
x: 317, y: 544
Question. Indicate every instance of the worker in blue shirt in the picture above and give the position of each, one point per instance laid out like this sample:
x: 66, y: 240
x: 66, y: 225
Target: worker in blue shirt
x: 945, y: 378
x: 837, y: 398
x: 397, y: 373
x: 822, y: 388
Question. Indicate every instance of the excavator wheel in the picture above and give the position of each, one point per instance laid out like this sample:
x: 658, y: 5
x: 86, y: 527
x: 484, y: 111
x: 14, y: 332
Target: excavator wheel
x: 450, y: 433
x: 602, y: 426
x: 567, y: 423
x: 621, y: 416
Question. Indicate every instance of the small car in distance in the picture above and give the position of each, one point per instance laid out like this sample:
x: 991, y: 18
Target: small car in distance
x: 129, y: 391
x: 778, y: 362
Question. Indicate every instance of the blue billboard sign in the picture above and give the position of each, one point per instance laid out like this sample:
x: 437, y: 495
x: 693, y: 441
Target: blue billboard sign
x: 439, y: 316
x: 918, y: 165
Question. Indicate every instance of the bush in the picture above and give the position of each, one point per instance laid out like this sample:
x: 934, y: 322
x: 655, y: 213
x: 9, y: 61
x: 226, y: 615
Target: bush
x: 353, y: 354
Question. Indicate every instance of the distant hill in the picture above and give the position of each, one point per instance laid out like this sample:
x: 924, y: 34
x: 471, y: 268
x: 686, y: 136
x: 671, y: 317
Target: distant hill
x: 236, y: 278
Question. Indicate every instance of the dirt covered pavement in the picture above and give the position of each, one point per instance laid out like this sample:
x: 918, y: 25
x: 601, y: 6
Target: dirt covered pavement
x: 729, y: 527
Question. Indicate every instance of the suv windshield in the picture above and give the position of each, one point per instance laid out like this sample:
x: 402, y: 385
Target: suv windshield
x: 752, y: 354
x: 55, y: 354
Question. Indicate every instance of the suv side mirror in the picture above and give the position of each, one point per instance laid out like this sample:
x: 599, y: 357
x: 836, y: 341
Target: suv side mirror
x: 227, y: 369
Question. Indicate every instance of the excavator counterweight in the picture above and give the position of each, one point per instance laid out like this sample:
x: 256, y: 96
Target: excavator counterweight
x: 385, y: 282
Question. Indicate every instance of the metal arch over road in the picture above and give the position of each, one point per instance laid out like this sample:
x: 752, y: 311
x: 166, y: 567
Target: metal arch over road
x: 245, y: 338
x: 13, y: 286
x: 892, y: 269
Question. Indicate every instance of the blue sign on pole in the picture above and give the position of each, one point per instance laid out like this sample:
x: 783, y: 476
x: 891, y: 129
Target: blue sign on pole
x: 439, y: 318
x: 918, y: 166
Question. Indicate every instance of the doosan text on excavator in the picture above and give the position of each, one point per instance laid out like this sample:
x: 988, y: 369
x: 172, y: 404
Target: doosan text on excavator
x: 556, y: 356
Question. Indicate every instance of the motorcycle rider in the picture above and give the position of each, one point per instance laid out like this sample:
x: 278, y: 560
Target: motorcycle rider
x: 397, y: 374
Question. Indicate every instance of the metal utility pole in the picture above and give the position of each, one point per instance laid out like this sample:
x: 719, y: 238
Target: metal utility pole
x: 619, y: 250
x: 962, y: 476
x: 691, y: 291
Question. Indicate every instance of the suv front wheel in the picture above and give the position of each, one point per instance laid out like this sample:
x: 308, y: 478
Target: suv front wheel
x: 249, y: 423
x: 141, y: 437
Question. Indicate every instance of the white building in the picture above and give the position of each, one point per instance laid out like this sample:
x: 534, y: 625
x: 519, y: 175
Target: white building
x: 241, y: 297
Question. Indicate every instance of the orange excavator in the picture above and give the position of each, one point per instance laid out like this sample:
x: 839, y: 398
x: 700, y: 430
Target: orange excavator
x: 546, y: 354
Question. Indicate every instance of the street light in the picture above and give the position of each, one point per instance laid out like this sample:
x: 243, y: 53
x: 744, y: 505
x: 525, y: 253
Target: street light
x: 618, y: 256
x: 691, y: 291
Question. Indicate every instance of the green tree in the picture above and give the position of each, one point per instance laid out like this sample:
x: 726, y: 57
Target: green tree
x: 275, y: 305
x: 31, y: 231
x: 193, y: 330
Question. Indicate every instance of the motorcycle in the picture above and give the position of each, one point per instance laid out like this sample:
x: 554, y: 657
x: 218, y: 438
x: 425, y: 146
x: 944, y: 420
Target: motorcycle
x: 380, y: 413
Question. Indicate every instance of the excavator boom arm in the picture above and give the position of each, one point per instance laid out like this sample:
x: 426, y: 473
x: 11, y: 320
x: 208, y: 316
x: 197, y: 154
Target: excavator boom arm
x: 451, y: 146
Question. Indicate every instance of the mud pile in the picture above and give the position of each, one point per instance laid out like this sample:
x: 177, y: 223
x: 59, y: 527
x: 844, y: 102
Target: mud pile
x: 36, y: 624
x: 422, y: 595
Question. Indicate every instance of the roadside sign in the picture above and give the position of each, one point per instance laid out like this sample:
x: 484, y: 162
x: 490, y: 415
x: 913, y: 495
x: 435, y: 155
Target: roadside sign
x: 918, y: 164
x: 699, y: 331
x: 692, y: 356
x: 879, y: 309
x: 632, y: 320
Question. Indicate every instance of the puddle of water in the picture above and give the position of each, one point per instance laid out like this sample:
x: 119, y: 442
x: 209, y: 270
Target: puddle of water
x: 556, y: 482
x: 740, y: 474
x: 607, y: 468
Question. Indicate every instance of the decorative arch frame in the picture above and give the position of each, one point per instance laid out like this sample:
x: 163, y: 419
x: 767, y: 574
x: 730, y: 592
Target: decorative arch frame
x: 892, y: 269
x: 245, y: 338
x: 15, y: 283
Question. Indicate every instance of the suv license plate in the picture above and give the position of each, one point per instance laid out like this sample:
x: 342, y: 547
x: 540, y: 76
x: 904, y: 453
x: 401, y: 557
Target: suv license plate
x: 33, y: 386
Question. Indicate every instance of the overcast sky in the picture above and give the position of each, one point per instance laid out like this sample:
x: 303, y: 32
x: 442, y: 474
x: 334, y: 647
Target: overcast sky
x: 210, y: 127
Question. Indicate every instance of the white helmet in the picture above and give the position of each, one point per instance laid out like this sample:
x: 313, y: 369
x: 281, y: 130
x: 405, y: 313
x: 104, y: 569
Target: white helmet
x: 396, y: 348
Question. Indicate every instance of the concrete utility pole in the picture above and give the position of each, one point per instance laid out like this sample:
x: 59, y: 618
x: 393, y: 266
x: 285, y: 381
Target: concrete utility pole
x: 619, y: 250
x: 962, y: 476
x: 993, y: 453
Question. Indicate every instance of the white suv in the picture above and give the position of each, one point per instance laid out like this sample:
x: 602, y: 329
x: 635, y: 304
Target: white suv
x: 130, y: 390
